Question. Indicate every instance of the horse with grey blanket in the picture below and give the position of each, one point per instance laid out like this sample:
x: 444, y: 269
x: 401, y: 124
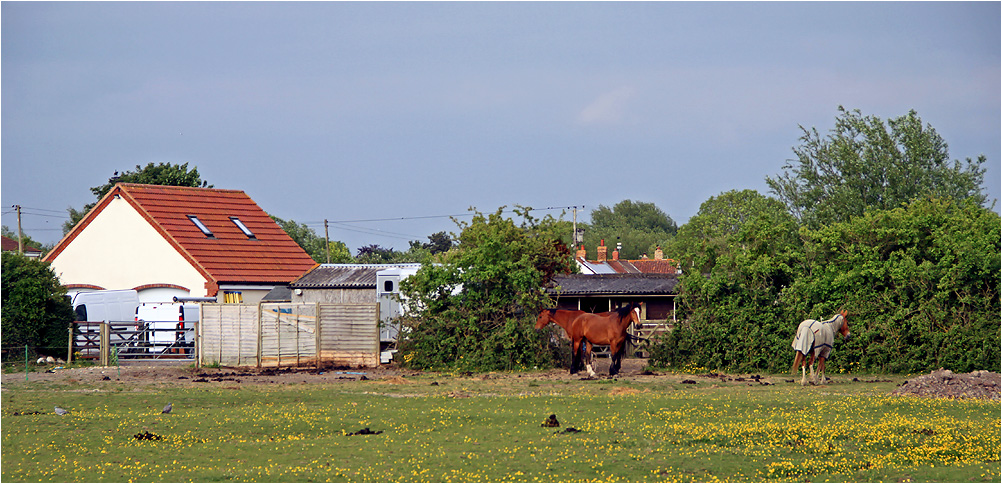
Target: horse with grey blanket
x: 814, y: 339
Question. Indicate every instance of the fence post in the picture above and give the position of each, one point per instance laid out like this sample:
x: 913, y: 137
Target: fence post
x: 25, y: 362
x: 105, y: 343
x: 318, y: 322
x: 69, y: 349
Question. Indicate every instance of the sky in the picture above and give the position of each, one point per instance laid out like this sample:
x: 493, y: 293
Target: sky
x: 385, y: 118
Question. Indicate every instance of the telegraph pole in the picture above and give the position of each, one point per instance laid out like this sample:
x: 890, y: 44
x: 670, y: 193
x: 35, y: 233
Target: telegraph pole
x: 327, y: 237
x: 20, y: 237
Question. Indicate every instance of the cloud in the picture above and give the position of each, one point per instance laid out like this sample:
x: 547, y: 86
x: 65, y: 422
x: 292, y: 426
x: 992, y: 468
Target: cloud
x: 609, y: 108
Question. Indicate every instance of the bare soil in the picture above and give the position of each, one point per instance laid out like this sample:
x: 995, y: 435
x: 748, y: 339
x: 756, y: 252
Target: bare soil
x: 938, y: 384
x: 947, y: 384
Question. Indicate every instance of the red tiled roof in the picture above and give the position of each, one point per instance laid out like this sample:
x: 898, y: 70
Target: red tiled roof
x: 228, y: 256
x: 656, y: 266
x: 10, y: 245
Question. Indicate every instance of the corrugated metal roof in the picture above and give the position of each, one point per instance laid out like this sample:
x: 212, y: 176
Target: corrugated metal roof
x: 344, y: 276
x: 620, y: 284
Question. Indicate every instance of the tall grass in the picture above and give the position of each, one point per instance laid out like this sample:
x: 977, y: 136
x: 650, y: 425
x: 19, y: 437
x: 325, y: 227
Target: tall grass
x: 466, y: 430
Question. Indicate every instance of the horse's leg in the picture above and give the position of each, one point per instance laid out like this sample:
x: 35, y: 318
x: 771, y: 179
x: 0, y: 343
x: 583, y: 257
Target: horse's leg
x: 803, y: 370
x: 811, y: 367
x: 617, y: 348
x: 575, y: 356
x: 589, y: 358
x: 821, y: 371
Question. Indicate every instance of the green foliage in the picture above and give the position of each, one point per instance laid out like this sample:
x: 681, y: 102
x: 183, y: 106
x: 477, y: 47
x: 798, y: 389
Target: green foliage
x: 865, y: 163
x: 639, y: 226
x: 35, y: 310
x: 167, y: 174
x: 732, y: 316
x: 921, y: 284
x: 475, y: 311
x: 713, y: 229
x: 315, y: 245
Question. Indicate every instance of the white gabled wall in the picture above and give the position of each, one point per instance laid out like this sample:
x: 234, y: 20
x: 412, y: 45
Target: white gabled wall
x: 121, y: 250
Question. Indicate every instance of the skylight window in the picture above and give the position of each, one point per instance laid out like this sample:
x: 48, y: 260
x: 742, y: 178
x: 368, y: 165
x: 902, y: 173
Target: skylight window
x: 201, y: 226
x: 243, y: 228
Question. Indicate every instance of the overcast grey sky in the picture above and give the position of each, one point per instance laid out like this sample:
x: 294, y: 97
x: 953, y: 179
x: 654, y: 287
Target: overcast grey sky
x: 360, y: 111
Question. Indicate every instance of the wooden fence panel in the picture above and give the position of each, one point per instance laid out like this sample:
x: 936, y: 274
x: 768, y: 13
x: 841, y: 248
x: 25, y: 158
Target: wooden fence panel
x: 286, y: 334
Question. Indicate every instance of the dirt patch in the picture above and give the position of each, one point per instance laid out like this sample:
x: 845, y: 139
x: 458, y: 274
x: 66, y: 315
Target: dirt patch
x: 947, y: 384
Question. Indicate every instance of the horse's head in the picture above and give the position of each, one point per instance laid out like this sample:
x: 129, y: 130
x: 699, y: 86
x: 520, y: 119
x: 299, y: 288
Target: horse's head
x: 545, y: 316
x: 844, y: 329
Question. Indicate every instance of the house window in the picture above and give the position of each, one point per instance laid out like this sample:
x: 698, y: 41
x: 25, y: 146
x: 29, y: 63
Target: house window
x: 243, y: 228
x: 201, y: 226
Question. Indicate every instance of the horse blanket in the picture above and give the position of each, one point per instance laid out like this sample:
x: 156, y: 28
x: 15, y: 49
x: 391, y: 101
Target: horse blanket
x: 817, y: 336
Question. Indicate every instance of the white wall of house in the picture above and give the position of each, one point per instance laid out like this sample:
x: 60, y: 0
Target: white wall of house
x: 121, y: 250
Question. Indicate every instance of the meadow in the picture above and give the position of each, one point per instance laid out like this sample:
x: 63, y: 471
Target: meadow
x: 440, y: 428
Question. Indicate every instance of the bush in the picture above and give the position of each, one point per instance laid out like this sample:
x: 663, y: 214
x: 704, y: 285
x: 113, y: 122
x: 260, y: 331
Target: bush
x: 476, y: 311
x: 35, y: 310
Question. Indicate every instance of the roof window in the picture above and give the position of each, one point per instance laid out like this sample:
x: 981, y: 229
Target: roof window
x: 243, y: 228
x: 201, y: 226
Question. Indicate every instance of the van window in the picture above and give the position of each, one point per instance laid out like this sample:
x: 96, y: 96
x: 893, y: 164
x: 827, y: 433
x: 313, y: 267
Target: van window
x: 387, y: 286
x: 81, y: 312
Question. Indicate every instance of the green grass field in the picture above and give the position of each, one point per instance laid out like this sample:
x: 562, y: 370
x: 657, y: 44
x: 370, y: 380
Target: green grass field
x: 477, y: 430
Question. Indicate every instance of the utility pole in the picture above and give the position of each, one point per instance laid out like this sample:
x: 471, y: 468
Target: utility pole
x: 327, y: 237
x: 576, y: 237
x: 20, y: 237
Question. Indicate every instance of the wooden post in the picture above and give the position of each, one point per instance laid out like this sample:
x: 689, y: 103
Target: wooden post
x: 105, y: 343
x: 69, y: 346
x: 316, y: 330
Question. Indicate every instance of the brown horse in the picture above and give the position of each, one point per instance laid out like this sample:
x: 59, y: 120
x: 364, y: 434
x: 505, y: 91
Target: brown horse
x: 815, y: 339
x: 584, y: 328
x: 563, y: 318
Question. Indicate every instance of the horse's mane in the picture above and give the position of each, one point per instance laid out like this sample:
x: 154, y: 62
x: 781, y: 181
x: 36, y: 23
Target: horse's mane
x: 624, y: 311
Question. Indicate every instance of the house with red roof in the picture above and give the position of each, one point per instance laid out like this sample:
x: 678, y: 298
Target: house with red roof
x: 12, y: 245
x: 166, y: 241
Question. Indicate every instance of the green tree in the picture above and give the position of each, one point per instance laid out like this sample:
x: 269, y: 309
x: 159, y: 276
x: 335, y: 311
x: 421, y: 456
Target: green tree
x: 867, y: 163
x: 167, y: 174
x: 638, y: 226
x: 921, y: 284
x: 313, y: 244
x: 730, y: 297
x: 713, y: 229
x: 475, y: 310
x: 35, y: 309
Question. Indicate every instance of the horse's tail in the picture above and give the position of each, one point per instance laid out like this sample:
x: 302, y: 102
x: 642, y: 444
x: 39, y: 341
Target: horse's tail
x: 798, y: 361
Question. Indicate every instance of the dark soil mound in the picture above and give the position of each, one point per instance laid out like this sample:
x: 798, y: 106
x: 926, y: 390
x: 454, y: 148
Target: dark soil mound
x: 947, y: 384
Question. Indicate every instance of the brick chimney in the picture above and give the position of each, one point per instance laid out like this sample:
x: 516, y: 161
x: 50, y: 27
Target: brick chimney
x: 602, y: 251
x: 582, y: 253
x: 659, y: 254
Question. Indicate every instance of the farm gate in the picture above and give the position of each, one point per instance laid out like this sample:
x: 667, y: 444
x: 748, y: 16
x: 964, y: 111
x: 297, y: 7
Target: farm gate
x: 289, y: 334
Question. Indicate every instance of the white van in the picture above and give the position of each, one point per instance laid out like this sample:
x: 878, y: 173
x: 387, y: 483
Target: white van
x: 170, y: 326
x: 115, y: 306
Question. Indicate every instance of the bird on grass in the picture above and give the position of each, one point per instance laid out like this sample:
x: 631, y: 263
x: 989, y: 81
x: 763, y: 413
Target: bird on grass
x: 61, y: 410
x: 168, y: 408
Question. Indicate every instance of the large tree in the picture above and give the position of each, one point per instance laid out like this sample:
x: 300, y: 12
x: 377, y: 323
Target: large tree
x: 160, y: 174
x: 638, y: 226
x: 713, y: 230
x: 35, y: 309
x: 864, y: 162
